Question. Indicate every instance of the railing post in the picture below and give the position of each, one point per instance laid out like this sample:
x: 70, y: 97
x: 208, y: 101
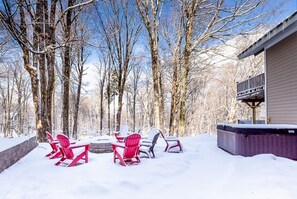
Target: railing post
x: 254, y: 112
x: 249, y: 86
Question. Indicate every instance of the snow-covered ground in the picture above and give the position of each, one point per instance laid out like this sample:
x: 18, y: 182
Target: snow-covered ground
x: 6, y: 143
x: 202, y: 171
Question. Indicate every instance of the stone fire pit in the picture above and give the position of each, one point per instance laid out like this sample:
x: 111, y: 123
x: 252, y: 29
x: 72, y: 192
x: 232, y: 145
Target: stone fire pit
x: 101, y: 146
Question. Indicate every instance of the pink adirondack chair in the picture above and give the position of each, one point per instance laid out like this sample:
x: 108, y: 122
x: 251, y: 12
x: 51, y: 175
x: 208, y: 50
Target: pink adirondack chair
x: 72, y: 152
x: 119, y: 137
x: 172, y: 142
x: 122, y: 134
x: 127, y: 152
x: 53, y: 143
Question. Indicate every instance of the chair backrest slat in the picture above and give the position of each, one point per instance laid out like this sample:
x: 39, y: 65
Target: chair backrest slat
x: 64, y: 143
x: 155, y: 138
x: 51, y: 140
x: 132, y: 145
x: 152, y: 134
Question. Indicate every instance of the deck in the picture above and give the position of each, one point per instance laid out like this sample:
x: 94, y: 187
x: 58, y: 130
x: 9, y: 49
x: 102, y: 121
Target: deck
x: 251, y: 89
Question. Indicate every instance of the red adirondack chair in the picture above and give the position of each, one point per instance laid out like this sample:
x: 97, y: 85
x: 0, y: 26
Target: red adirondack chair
x: 53, y: 143
x: 122, y: 134
x: 127, y: 152
x: 72, y: 152
x: 172, y: 142
x: 119, y: 137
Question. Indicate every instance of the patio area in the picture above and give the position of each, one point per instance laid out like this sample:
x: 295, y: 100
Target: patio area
x: 201, y: 171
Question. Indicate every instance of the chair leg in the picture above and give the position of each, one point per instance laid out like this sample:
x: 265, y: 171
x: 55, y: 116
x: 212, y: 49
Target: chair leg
x: 138, y: 159
x: 118, y: 156
x: 114, y: 157
x: 122, y: 161
x: 153, y: 153
x: 167, y: 147
x: 180, y: 146
x: 60, y: 161
x: 51, y: 153
x: 87, y: 156
x: 57, y: 154
x: 147, y: 153
x: 77, y: 159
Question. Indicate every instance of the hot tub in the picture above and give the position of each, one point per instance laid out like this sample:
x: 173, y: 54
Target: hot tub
x: 249, y: 140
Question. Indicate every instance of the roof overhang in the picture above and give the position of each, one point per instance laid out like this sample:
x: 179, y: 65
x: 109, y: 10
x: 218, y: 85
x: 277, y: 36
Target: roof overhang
x: 277, y: 34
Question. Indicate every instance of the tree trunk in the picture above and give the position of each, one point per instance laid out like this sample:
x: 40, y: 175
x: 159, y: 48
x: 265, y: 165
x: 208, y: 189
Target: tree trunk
x: 38, y: 82
x: 174, y: 98
x: 108, y: 102
x: 150, y: 11
x: 50, y: 57
x: 161, y: 104
x: 101, y: 107
x: 76, y: 106
x: 134, y: 109
x: 185, y: 70
x: 34, y: 88
x: 119, y: 111
x: 66, y: 71
x: 20, y: 113
x: 155, y: 70
x: 184, y: 84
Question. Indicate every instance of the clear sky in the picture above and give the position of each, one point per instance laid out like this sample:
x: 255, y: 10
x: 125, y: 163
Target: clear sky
x: 288, y: 7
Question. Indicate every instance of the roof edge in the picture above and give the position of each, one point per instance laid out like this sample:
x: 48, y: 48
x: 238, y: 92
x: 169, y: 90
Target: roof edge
x: 275, y: 35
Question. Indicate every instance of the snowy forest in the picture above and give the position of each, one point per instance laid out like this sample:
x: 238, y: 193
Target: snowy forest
x: 88, y: 67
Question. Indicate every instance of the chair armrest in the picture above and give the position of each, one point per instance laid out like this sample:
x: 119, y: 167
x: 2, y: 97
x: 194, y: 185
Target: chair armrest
x: 145, y: 144
x: 171, y: 138
x: 118, y: 144
x: 78, y: 145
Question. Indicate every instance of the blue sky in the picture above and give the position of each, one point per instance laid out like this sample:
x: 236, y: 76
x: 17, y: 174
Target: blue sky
x: 288, y: 7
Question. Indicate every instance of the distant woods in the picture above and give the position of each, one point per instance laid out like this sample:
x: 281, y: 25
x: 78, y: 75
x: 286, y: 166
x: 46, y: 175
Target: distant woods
x: 165, y: 64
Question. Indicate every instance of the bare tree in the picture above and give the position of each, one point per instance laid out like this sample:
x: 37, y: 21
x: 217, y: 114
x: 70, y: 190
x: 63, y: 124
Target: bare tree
x: 203, y: 21
x: 81, y: 35
x: 150, y: 11
x: 120, y: 30
x: 22, y: 90
x: 6, y: 90
x: 38, y: 44
x: 173, y: 33
x: 102, y: 69
x: 135, y: 80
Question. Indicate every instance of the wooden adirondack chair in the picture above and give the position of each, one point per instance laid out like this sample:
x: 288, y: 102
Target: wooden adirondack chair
x: 122, y: 134
x: 172, y: 142
x: 127, y: 152
x: 119, y: 137
x: 72, y: 152
x: 147, y: 145
x: 53, y: 143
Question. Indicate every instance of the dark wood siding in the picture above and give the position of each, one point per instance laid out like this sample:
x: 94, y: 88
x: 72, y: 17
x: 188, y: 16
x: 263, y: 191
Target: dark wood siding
x: 281, y: 71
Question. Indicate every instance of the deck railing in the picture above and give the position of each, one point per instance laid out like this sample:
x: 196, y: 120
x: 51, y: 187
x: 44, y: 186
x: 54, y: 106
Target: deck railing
x: 250, y: 85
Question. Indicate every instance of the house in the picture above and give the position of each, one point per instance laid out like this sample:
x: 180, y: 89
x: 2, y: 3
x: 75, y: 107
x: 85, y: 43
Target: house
x: 279, y: 90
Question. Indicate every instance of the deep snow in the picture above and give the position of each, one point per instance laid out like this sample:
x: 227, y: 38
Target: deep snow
x: 202, y: 171
x: 6, y: 143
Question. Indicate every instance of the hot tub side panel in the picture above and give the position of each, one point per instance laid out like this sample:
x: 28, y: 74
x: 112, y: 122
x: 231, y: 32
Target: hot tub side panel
x: 247, y: 142
x: 228, y: 141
